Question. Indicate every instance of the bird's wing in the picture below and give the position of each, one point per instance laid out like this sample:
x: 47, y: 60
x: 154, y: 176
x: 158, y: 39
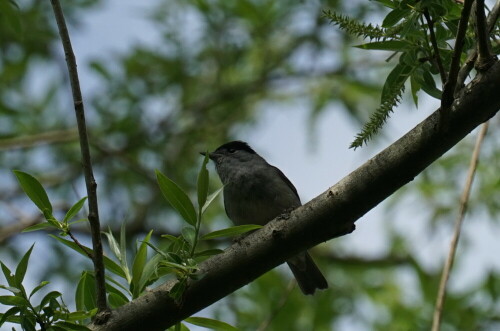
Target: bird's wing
x: 287, y: 181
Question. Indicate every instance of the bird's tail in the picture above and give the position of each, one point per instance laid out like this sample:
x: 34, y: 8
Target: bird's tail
x: 307, y: 273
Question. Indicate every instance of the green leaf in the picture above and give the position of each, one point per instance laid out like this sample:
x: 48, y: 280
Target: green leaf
x: 189, y: 234
x: 387, y: 3
x: 177, y: 290
x: 177, y: 198
x: 395, y: 79
x: 74, y: 210
x: 208, y: 252
x: 210, y: 199
x: 108, y: 263
x: 116, y: 300
x: 22, y: 266
x: 38, y: 226
x: 429, y: 85
x: 9, y: 276
x: 415, y: 87
x: 150, y: 268
x: 118, y: 285
x: 394, y: 17
x: 12, y: 300
x: 72, y: 326
x: 175, y: 266
x: 138, y: 265
x: 39, y: 286
x: 11, y: 15
x: 14, y: 290
x: 34, y: 190
x: 5, y: 316
x: 210, y: 323
x: 113, y: 244
x: 119, y: 299
x: 48, y: 297
x: 202, y: 185
x: 123, y: 250
x: 388, y: 45
x: 85, y: 295
x: 231, y: 232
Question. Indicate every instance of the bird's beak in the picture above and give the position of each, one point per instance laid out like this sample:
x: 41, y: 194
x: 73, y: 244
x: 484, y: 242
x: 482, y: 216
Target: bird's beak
x: 210, y: 155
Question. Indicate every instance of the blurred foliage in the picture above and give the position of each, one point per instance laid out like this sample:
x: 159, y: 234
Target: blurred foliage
x: 212, y: 67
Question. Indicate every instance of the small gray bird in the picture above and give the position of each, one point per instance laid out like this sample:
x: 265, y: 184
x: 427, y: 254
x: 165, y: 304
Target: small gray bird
x: 256, y: 192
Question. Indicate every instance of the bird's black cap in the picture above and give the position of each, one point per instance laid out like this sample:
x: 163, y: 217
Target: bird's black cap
x: 236, y: 145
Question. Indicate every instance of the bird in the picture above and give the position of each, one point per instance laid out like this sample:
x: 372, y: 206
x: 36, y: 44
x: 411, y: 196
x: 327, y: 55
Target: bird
x: 256, y: 192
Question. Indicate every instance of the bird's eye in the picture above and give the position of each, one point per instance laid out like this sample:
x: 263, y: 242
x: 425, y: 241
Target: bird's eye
x: 231, y: 150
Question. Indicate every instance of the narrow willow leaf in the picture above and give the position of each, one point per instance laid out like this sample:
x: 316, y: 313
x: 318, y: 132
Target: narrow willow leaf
x: 113, y: 244
x: 189, y: 234
x: 231, y: 232
x: 388, y: 45
x: 48, y: 297
x: 202, y: 186
x: 12, y: 300
x: 39, y: 226
x: 85, y: 292
x: 74, y: 210
x: 71, y: 326
x: 210, y: 323
x: 14, y: 290
x: 22, y: 266
x: 34, y: 190
x: 139, y: 263
x: 6, y: 316
x: 210, y: 199
x: 208, y: 252
x: 119, y: 298
x: 39, y: 287
x: 123, y: 250
x: 395, y: 16
x: 177, y: 198
x: 9, y: 276
x: 396, y: 78
x: 108, y: 263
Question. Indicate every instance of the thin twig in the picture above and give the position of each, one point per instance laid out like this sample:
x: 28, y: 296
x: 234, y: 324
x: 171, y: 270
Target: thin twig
x: 471, y: 59
x: 458, y: 225
x: 86, y: 161
x: 58, y: 136
x: 449, y: 86
x: 83, y: 248
x: 437, y: 56
x: 486, y: 59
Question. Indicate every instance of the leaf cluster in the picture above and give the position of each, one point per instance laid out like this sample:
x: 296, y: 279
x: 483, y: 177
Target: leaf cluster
x: 179, y: 257
x: 407, y: 31
x: 49, y: 314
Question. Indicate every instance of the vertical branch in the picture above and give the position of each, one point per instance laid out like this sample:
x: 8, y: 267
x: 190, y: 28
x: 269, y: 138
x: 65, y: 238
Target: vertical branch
x: 86, y: 162
x: 485, y: 59
x: 469, y: 63
x: 449, y: 86
x: 430, y: 23
x: 436, y: 322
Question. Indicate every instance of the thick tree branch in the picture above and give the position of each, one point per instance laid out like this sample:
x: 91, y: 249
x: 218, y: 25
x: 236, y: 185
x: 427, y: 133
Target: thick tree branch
x: 90, y: 182
x: 323, y: 218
